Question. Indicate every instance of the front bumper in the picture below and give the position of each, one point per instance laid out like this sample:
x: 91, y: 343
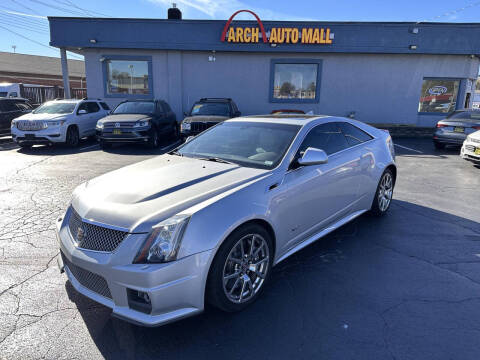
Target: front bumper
x: 175, y: 289
x: 468, y: 151
x: 125, y: 137
x: 449, y: 137
x: 45, y: 136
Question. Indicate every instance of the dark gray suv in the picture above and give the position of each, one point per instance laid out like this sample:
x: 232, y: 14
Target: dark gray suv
x: 11, y: 108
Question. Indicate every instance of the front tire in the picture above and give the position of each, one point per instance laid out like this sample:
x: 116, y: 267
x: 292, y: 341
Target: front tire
x: 383, y: 196
x: 73, y: 137
x: 438, y: 145
x: 153, y: 140
x: 241, y: 268
x: 25, y: 146
x: 105, y: 145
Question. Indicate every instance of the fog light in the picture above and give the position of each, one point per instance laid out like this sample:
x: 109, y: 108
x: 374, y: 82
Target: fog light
x: 139, y: 300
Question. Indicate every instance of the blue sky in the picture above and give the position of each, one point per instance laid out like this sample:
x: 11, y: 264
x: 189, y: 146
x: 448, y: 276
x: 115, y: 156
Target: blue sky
x: 27, y: 17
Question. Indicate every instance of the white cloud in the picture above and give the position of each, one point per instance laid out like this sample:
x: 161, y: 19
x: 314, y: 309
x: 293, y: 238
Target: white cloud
x: 223, y: 9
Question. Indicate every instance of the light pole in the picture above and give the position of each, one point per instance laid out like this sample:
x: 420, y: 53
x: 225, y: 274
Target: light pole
x: 14, y: 47
x: 131, y: 78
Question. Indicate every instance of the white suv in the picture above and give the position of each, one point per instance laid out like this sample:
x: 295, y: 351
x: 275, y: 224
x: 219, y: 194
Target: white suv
x: 59, y: 121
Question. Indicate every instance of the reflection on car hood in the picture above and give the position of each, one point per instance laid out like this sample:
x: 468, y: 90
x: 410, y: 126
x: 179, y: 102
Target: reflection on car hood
x: 31, y: 116
x: 125, y: 117
x: 475, y: 135
x: 140, y: 195
x: 205, y: 118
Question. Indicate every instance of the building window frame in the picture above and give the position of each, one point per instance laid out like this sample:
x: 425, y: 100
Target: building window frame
x: 434, y: 113
x: 148, y: 59
x: 296, y: 61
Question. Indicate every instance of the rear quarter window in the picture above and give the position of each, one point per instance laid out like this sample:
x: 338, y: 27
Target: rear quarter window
x: 353, y: 134
x: 104, y: 106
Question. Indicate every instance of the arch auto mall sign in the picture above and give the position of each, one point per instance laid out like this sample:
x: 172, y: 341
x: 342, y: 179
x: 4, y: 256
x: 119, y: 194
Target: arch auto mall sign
x: 276, y: 35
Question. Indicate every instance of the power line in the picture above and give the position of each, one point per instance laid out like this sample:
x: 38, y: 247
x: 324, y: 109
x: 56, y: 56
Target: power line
x: 22, y: 21
x: 25, y: 6
x: 37, y: 42
x: 22, y: 26
x: 69, y: 11
x: 452, y: 12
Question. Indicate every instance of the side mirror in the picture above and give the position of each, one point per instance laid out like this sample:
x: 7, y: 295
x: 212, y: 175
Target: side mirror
x: 185, y: 114
x: 313, y: 156
x: 82, y: 112
x: 189, y: 138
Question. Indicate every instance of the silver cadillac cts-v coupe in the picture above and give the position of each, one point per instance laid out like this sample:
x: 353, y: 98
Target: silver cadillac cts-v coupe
x: 156, y: 240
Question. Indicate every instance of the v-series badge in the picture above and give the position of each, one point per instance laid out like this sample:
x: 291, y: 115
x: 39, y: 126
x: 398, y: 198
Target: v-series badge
x: 276, y: 35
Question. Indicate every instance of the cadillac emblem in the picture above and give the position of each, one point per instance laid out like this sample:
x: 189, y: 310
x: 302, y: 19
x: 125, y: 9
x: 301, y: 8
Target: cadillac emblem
x: 80, y: 236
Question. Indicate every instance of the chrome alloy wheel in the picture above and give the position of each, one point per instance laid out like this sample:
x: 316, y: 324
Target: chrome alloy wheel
x: 385, y: 191
x: 245, y: 269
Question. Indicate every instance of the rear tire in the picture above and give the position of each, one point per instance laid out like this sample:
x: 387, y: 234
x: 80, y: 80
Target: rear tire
x: 384, y: 195
x: 73, y: 137
x: 25, y: 146
x: 235, y: 280
x: 438, y: 145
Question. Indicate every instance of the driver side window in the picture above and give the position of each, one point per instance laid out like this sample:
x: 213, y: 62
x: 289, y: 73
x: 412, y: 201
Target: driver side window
x: 326, y: 137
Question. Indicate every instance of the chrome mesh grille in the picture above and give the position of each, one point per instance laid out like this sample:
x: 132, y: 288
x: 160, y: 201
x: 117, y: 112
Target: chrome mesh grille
x: 123, y: 125
x: 27, y: 125
x: 88, y: 279
x: 94, y: 237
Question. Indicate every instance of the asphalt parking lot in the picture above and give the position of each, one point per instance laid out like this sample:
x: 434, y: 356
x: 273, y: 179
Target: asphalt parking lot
x: 406, y: 286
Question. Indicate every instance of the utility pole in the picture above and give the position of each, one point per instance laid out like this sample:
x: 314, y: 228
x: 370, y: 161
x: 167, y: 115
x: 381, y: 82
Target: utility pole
x: 14, y: 47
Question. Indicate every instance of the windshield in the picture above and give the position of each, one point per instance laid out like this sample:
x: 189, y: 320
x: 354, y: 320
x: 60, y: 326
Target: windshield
x: 219, y: 109
x: 470, y: 116
x: 259, y: 145
x: 55, y: 108
x: 135, y: 107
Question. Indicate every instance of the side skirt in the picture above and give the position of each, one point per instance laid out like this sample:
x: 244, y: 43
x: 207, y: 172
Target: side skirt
x: 320, y: 234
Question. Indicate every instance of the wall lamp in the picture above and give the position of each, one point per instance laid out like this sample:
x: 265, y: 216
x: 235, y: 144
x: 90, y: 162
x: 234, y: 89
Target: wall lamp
x: 413, y: 47
x: 93, y: 41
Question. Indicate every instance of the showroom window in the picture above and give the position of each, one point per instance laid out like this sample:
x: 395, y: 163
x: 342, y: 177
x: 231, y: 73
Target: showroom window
x: 438, y: 95
x: 127, y: 77
x: 295, y: 81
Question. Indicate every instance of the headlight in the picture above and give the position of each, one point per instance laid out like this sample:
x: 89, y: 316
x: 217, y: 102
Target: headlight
x: 53, y: 123
x: 469, y: 138
x: 163, y: 242
x: 100, y: 125
x: 13, y: 124
x: 141, y: 124
x: 185, y: 126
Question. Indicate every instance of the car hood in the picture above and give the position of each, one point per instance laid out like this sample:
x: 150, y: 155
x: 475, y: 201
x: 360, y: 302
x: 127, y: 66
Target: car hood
x: 125, y: 117
x: 141, y: 195
x: 32, y: 117
x: 205, y: 118
x: 475, y: 135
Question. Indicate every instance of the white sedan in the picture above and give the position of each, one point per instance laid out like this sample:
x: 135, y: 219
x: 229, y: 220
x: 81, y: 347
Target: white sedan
x: 206, y: 222
x: 471, y: 148
x: 59, y: 121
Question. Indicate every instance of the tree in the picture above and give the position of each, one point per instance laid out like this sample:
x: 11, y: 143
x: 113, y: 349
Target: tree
x: 287, y: 88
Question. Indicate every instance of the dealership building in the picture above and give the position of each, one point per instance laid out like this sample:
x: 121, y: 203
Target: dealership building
x: 376, y: 72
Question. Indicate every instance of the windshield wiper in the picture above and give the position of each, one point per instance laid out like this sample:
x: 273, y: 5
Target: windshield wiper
x: 216, y: 159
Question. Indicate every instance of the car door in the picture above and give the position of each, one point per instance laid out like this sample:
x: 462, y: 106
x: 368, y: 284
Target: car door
x: 319, y: 195
x: 83, y: 120
x: 163, y: 125
x: 94, y: 114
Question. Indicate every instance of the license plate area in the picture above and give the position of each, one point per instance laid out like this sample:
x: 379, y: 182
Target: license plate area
x: 29, y: 136
x: 459, y: 129
x: 117, y: 132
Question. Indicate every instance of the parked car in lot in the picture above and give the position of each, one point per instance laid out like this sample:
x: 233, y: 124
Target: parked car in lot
x: 208, y: 221
x: 59, y: 121
x: 139, y: 121
x: 287, y: 112
x: 471, y: 148
x: 206, y: 113
x: 454, y: 129
x: 10, y: 109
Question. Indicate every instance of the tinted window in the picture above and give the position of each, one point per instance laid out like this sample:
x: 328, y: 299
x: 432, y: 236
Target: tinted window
x: 135, y: 107
x: 353, y: 134
x: 104, y: 106
x: 327, y: 137
x: 23, y: 106
x: 251, y: 144
x: 92, y: 107
x: 465, y: 115
x: 9, y: 106
x: 210, y: 108
x: 160, y: 108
